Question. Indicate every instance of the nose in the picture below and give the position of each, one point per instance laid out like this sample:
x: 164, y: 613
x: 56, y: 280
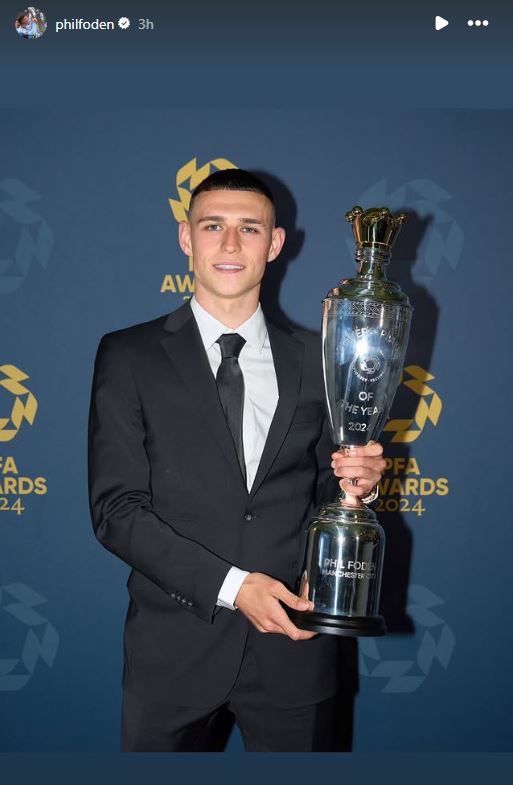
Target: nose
x: 231, y: 240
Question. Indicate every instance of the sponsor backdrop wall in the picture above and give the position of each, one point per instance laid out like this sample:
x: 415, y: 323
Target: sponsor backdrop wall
x: 89, y: 205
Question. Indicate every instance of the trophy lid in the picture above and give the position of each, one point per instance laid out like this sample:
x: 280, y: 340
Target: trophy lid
x: 375, y: 227
x: 375, y: 231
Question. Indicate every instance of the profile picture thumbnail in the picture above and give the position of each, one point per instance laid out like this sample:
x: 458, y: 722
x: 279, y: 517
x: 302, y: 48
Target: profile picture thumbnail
x: 31, y: 23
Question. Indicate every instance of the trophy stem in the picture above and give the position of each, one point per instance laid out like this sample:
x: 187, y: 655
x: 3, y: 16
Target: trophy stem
x: 348, y: 501
x: 372, y: 262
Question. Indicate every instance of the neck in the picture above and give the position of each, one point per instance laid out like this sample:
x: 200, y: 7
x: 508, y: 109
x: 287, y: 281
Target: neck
x: 232, y: 313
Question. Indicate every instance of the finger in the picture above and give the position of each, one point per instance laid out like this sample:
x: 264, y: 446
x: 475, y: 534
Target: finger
x: 265, y: 621
x: 290, y: 629
x: 361, y: 489
x: 370, y: 449
x: 378, y: 464
x: 359, y: 482
x: 258, y: 625
x: 301, y: 635
x: 277, y: 621
x: 361, y: 472
x: 308, y: 635
x: 292, y: 600
x: 372, y: 464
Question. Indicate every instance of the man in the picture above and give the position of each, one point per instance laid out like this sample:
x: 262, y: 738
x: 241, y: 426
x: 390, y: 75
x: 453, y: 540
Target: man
x: 208, y: 449
x: 28, y: 25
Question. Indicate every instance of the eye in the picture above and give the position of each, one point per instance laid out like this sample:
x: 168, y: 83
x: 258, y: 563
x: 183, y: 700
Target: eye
x: 212, y: 227
x: 249, y: 229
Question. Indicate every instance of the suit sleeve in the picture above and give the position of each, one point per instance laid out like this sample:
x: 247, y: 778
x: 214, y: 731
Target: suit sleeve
x: 120, y: 492
x: 327, y: 484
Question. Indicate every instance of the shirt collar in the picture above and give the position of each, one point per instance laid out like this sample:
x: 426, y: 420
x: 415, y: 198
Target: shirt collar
x: 253, y: 330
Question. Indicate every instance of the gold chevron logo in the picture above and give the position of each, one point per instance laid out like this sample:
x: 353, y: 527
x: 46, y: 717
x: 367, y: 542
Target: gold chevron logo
x: 194, y: 175
x: 24, y: 406
x: 429, y: 406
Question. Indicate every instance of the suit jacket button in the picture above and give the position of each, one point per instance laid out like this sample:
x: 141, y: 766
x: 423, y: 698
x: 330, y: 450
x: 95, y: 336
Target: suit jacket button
x: 248, y: 516
x: 189, y: 604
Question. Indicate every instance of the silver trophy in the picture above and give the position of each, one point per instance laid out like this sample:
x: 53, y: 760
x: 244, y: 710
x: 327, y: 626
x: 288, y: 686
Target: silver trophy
x: 365, y: 329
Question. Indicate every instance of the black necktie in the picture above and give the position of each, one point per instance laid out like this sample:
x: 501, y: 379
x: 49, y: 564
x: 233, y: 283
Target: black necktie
x: 230, y: 385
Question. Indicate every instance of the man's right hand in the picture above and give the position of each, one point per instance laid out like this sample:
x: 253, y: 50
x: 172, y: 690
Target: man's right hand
x: 259, y: 600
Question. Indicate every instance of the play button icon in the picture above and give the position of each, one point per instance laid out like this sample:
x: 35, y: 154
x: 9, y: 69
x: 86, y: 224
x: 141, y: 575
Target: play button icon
x: 440, y: 22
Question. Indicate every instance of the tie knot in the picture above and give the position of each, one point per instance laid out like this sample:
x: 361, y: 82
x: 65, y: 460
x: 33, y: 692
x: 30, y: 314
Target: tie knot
x: 231, y: 344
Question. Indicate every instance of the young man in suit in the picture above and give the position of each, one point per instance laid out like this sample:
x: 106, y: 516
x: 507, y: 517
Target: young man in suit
x: 208, y: 450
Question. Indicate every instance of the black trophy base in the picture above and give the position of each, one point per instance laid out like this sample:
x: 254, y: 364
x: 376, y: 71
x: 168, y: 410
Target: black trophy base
x: 353, y: 626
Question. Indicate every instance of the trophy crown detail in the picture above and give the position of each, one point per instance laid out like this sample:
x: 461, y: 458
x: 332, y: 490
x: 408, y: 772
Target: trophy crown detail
x: 375, y: 227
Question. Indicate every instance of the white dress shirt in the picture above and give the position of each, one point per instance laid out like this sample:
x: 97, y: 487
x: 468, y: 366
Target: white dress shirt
x: 260, y: 400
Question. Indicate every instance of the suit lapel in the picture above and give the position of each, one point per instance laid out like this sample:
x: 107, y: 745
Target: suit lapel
x: 185, y: 350
x: 287, y: 354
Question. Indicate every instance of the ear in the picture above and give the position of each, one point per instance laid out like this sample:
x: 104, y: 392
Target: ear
x: 278, y: 238
x: 184, y: 237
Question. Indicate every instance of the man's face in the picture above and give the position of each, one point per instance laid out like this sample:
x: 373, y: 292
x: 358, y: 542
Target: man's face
x: 25, y: 21
x: 231, y: 237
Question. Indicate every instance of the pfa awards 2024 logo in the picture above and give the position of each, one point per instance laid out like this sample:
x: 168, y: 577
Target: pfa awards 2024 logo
x: 187, y: 178
x: 15, y: 487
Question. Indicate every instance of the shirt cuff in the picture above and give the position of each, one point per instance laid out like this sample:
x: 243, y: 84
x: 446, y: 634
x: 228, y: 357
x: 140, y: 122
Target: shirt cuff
x: 230, y: 588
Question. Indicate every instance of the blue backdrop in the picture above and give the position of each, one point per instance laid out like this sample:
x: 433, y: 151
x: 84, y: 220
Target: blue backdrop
x: 88, y: 245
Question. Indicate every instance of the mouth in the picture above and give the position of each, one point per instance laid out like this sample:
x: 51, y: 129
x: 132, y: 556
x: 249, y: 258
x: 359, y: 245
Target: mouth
x: 228, y: 267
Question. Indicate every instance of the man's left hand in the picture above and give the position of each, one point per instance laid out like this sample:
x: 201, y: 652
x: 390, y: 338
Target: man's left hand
x: 363, y: 465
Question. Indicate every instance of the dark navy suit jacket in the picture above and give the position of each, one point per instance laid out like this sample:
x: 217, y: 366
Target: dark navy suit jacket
x: 167, y: 497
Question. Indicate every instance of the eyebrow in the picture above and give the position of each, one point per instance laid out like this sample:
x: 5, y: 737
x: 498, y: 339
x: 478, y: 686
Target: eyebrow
x: 223, y: 218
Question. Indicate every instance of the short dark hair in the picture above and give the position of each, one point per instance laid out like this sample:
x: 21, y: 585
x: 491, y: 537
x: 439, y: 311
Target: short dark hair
x: 233, y: 180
